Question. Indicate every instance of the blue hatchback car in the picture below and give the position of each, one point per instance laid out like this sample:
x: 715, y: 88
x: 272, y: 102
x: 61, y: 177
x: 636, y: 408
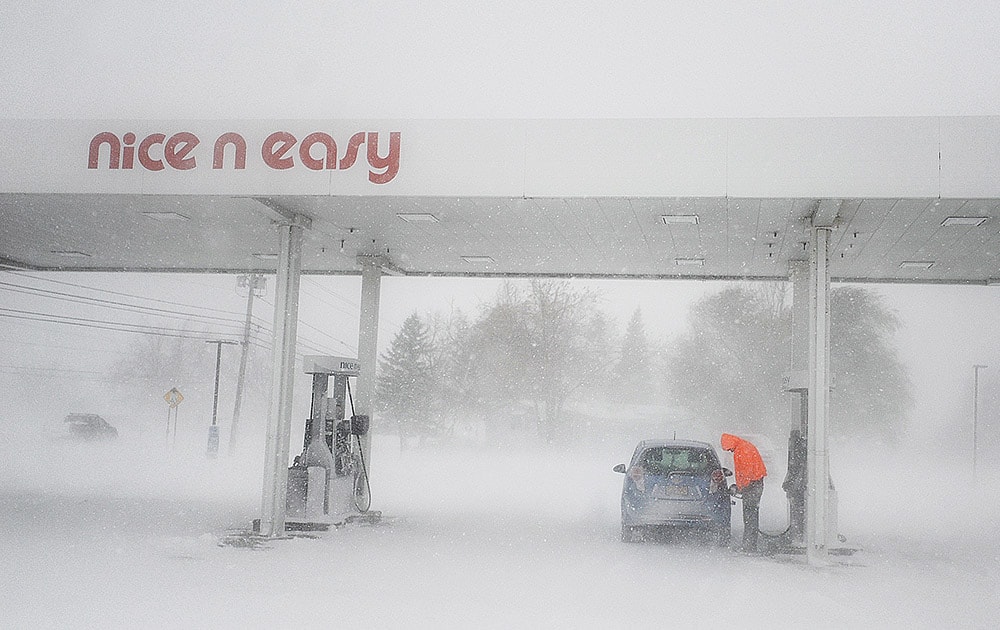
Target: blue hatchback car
x: 675, y: 485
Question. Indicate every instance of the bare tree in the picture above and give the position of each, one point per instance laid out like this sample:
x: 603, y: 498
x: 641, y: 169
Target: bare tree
x: 727, y: 370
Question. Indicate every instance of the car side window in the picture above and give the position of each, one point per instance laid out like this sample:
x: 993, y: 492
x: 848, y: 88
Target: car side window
x: 652, y: 461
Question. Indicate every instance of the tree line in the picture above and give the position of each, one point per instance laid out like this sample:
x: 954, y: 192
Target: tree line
x: 541, y: 361
x: 532, y: 361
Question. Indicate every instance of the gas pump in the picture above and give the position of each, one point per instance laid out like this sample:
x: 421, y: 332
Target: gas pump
x: 795, y: 482
x: 328, y: 483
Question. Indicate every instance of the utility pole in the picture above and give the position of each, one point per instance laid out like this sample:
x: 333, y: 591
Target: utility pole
x: 213, y: 430
x: 975, y: 417
x: 254, y: 282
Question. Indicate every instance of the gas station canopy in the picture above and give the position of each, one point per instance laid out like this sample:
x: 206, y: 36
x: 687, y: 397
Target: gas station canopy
x: 910, y: 199
x: 810, y: 200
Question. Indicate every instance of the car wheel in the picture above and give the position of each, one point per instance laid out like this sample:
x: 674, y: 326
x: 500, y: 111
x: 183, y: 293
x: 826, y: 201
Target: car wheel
x: 629, y: 534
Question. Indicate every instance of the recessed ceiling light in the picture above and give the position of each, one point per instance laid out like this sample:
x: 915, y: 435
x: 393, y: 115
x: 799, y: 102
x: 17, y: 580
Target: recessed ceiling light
x: 417, y: 217
x: 69, y: 253
x: 916, y: 264
x: 689, y: 262
x: 266, y: 256
x: 478, y: 260
x: 964, y: 221
x: 669, y: 219
x: 166, y: 216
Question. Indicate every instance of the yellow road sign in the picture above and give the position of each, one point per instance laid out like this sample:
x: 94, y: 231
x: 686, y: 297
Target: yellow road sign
x: 173, y: 397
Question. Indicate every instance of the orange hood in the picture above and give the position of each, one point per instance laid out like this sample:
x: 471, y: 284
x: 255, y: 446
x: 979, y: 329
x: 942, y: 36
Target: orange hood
x: 746, y: 459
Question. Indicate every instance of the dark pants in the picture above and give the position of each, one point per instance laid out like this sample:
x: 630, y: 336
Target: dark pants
x: 751, y: 513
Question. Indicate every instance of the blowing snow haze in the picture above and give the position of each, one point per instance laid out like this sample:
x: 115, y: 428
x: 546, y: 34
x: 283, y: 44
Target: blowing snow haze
x: 497, y: 60
x: 484, y: 520
x: 142, y: 523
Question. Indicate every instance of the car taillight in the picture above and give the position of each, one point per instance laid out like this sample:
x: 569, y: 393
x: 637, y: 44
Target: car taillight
x: 638, y: 476
x: 718, y: 480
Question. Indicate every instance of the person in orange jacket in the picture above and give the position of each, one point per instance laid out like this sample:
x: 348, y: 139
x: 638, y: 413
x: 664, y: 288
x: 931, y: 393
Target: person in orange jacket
x: 750, y: 472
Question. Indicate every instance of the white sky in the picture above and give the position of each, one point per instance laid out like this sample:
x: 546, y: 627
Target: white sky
x: 488, y: 59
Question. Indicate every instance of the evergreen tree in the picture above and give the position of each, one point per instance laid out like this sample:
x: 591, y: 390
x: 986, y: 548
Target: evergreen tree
x: 633, y: 372
x: 406, y: 384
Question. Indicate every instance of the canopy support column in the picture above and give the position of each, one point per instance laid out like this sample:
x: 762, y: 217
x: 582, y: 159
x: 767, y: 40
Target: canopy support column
x: 797, y: 384
x: 371, y: 282
x: 286, y: 314
x: 818, y: 469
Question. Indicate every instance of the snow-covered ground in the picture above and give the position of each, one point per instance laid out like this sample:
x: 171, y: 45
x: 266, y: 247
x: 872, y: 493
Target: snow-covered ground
x: 116, y: 536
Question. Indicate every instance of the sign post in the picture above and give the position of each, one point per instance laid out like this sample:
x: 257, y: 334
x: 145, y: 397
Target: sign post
x: 213, y: 430
x: 975, y: 416
x: 173, y: 398
x: 255, y: 284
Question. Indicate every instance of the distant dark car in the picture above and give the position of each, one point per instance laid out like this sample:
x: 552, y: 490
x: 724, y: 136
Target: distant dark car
x: 675, y: 485
x: 88, y: 427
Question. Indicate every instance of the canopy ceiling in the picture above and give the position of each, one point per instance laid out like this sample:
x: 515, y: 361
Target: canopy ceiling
x: 874, y: 239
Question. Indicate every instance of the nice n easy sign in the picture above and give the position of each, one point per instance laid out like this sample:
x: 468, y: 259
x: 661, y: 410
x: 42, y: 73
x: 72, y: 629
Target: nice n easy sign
x: 279, y: 150
x: 260, y: 157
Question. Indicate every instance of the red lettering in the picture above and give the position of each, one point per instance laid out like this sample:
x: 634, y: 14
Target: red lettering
x: 128, y: 150
x: 147, y: 162
x: 274, y: 149
x: 390, y: 162
x: 240, y: 146
x: 318, y: 164
x: 110, y: 139
x: 176, y: 151
x: 352, y: 150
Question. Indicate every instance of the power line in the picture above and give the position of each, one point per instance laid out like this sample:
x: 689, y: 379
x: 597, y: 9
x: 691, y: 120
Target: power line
x: 354, y: 306
x: 316, y: 283
x: 310, y: 326
x: 81, y: 299
x: 28, y: 368
x: 129, y: 295
x: 322, y: 332
x: 101, y: 376
x: 93, y: 323
x: 260, y: 322
x: 78, y: 375
x: 55, y: 347
x: 255, y: 341
x: 46, y: 317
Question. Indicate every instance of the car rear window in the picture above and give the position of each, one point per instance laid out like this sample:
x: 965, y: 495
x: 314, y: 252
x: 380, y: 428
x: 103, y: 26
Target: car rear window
x: 667, y: 459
